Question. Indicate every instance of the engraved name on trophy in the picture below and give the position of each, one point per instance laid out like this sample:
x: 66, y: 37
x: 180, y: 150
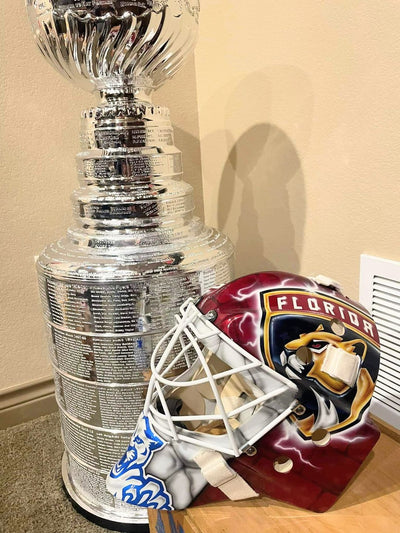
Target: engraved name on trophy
x: 135, y: 252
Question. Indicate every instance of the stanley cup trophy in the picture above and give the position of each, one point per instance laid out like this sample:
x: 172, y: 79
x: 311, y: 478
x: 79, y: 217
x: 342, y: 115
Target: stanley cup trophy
x: 135, y: 252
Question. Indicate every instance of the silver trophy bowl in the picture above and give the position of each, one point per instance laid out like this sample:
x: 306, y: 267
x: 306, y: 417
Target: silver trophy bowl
x: 103, y: 45
x: 134, y: 252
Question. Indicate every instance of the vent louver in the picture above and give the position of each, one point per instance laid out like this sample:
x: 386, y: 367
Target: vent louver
x: 380, y: 294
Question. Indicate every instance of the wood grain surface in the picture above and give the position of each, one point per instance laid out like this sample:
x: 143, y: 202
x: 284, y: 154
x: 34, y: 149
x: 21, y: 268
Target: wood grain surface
x: 371, y: 503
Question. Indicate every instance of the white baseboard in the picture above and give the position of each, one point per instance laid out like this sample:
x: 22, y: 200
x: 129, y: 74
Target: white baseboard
x: 25, y: 402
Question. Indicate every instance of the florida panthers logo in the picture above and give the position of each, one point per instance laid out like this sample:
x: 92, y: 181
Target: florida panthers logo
x: 128, y: 480
x: 329, y: 349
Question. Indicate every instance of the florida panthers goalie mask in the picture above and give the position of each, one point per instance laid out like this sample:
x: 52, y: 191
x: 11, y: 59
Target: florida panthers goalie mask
x: 261, y: 388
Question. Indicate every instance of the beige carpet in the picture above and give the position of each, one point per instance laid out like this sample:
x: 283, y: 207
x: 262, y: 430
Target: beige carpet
x: 32, y: 499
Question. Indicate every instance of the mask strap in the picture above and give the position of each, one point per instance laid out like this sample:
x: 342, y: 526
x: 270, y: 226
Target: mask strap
x: 219, y: 474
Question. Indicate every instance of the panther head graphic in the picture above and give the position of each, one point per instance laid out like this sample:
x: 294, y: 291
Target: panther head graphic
x: 334, y: 386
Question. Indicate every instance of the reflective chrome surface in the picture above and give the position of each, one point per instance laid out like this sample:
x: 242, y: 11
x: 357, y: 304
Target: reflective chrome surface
x: 102, y: 44
x: 135, y: 252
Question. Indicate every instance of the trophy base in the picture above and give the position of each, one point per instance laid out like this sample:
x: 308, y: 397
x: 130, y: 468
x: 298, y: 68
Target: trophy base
x: 99, y: 517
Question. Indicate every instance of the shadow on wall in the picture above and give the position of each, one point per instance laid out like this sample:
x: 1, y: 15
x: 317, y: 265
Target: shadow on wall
x: 261, y: 197
x: 191, y: 157
x: 265, y: 166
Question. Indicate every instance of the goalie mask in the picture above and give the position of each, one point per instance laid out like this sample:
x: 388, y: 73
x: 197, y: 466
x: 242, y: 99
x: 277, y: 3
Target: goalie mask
x: 261, y: 388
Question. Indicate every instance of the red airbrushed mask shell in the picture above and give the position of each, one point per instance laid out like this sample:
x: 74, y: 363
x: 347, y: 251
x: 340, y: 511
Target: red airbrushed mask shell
x: 328, y: 346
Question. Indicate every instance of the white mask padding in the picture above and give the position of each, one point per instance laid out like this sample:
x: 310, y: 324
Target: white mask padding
x: 342, y: 365
x: 219, y: 474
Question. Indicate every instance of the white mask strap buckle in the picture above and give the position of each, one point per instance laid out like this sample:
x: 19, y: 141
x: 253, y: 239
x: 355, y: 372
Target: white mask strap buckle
x: 219, y: 474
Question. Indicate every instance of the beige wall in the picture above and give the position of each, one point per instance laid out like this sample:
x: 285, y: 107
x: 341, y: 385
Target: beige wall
x: 38, y: 142
x: 299, y: 106
x: 300, y: 133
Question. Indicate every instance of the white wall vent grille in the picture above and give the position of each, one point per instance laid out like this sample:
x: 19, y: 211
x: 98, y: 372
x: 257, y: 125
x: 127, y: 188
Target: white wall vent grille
x: 380, y: 294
